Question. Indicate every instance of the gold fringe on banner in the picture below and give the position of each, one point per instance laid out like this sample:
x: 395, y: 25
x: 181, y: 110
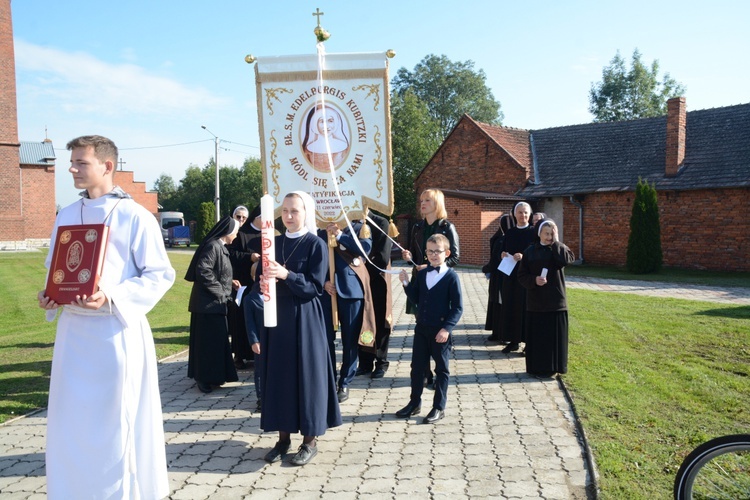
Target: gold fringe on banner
x: 392, y: 229
x: 365, y: 232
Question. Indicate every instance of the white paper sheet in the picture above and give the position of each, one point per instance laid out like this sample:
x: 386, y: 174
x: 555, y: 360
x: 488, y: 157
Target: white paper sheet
x: 507, y: 265
x: 240, y: 293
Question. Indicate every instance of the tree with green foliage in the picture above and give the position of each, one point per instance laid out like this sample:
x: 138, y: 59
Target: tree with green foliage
x: 166, y: 192
x: 644, y: 244
x: 415, y: 138
x: 629, y: 94
x: 426, y: 104
x: 206, y: 220
x: 449, y: 89
x: 196, y: 187
x: 243, y: 186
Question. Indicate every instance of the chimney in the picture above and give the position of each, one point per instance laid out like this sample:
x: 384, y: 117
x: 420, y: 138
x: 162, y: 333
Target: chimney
x: 676, y: 121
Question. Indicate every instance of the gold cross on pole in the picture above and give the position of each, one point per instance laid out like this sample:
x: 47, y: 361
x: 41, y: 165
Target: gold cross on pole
x: 318, y: 13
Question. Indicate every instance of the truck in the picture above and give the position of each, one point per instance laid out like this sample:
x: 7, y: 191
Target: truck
x: 173, y: 229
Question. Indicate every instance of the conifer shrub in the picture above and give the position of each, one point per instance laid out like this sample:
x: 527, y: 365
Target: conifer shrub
x: 206, y: 219
x: 644, y: 254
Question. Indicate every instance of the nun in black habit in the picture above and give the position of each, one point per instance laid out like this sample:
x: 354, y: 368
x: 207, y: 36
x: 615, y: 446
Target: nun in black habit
x: 541, y: 273
x: 494, y: 302
x: 513, y: 311
x: 210, y: 357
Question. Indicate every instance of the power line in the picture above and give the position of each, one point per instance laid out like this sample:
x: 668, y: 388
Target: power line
x: 185, y: 144
x: 166, y: 145
x: 240, y: 144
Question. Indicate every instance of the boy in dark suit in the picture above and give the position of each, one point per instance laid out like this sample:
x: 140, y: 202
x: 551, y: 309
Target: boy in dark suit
x: 437, y: 291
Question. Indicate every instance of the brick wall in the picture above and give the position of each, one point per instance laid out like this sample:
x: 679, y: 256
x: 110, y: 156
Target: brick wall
x: 137, y: 189
x: 38, y: 184
x: 469, y: 160
x: 701, y: 229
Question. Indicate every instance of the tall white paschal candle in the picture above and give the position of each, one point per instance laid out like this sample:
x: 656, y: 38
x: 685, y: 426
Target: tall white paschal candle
x: 268, y: 253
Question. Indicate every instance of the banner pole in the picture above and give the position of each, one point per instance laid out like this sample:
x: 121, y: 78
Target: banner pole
x: 332, y: 277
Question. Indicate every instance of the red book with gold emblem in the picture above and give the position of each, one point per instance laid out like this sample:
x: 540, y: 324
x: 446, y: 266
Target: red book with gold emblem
x: 77, y: 261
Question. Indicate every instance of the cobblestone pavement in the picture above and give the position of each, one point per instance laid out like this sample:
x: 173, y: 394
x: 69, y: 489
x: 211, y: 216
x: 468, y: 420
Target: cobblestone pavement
x: 505, y: 434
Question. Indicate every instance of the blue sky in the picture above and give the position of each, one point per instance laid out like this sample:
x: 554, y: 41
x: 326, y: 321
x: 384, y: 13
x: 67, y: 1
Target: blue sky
x: 149, y: 73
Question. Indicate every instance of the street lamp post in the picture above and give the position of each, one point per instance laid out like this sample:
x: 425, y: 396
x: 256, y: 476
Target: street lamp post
x: 216, y: 163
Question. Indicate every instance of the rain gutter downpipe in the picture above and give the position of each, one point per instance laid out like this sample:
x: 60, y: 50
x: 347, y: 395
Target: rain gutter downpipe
x: 575, y: 202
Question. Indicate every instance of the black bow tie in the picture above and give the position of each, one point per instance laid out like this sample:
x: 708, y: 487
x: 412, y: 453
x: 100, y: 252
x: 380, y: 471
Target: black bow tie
x: 430, y: 268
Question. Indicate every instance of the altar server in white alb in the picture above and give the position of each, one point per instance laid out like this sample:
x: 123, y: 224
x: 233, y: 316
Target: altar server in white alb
x: 105, y: 435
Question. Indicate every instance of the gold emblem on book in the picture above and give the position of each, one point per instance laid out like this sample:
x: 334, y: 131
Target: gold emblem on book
x: 58, y: 277
x: 75, y: 255
x: 65, y: 237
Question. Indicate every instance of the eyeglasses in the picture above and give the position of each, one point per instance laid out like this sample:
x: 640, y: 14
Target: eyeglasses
x: 240, y: 217
x: 434, y: 252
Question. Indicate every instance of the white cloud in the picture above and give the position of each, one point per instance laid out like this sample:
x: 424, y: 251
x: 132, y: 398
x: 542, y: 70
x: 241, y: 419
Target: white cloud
x: 76, y: 80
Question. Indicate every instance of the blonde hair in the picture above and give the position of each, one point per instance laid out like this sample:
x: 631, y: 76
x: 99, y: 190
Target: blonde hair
x: 439, y: 198
x: 440, y: 240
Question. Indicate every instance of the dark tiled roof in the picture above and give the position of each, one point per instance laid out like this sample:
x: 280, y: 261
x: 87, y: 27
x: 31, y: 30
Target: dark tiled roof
x: 480, y: 195
x: 37, y: 153
x: 599, y: 157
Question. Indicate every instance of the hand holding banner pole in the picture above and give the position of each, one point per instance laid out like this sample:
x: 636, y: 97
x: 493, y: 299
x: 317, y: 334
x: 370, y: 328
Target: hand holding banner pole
x: 268, y: 253
x: 332, y: 277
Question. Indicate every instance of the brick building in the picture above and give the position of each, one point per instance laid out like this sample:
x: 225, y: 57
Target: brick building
x: 25, y: 187
x: 27, y: 169
x: 584, y: 176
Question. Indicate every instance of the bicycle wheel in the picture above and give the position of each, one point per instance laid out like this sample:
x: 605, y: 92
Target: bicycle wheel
x: 717, y: 469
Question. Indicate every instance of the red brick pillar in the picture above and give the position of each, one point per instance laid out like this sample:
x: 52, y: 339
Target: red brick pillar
x: 11, y: 226
x: 676, y: 123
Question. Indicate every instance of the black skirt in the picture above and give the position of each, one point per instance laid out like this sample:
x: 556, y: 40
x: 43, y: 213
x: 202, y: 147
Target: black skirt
x: 547, y: 342
x: 210, y: 358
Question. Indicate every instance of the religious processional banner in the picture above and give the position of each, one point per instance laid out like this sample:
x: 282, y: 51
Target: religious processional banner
x: 314, y: 121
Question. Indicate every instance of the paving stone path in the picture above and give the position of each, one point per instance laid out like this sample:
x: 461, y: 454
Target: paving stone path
x: 505, y: 434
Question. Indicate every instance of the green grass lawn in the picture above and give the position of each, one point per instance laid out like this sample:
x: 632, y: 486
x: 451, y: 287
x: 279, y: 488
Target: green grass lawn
x: 651, y: 378
x: 26, y: 339
x: 667, y: 274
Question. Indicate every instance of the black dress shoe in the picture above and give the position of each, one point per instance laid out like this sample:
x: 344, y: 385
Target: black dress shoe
x: 510, y: 347
x: 343, y: 394
x: 362, y: 371
x: 277, y: 452
x: 305, y: 453
x: 433, y: 416
x: 206, y: 388
x: 409, y: 410
x: 378, y: 373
